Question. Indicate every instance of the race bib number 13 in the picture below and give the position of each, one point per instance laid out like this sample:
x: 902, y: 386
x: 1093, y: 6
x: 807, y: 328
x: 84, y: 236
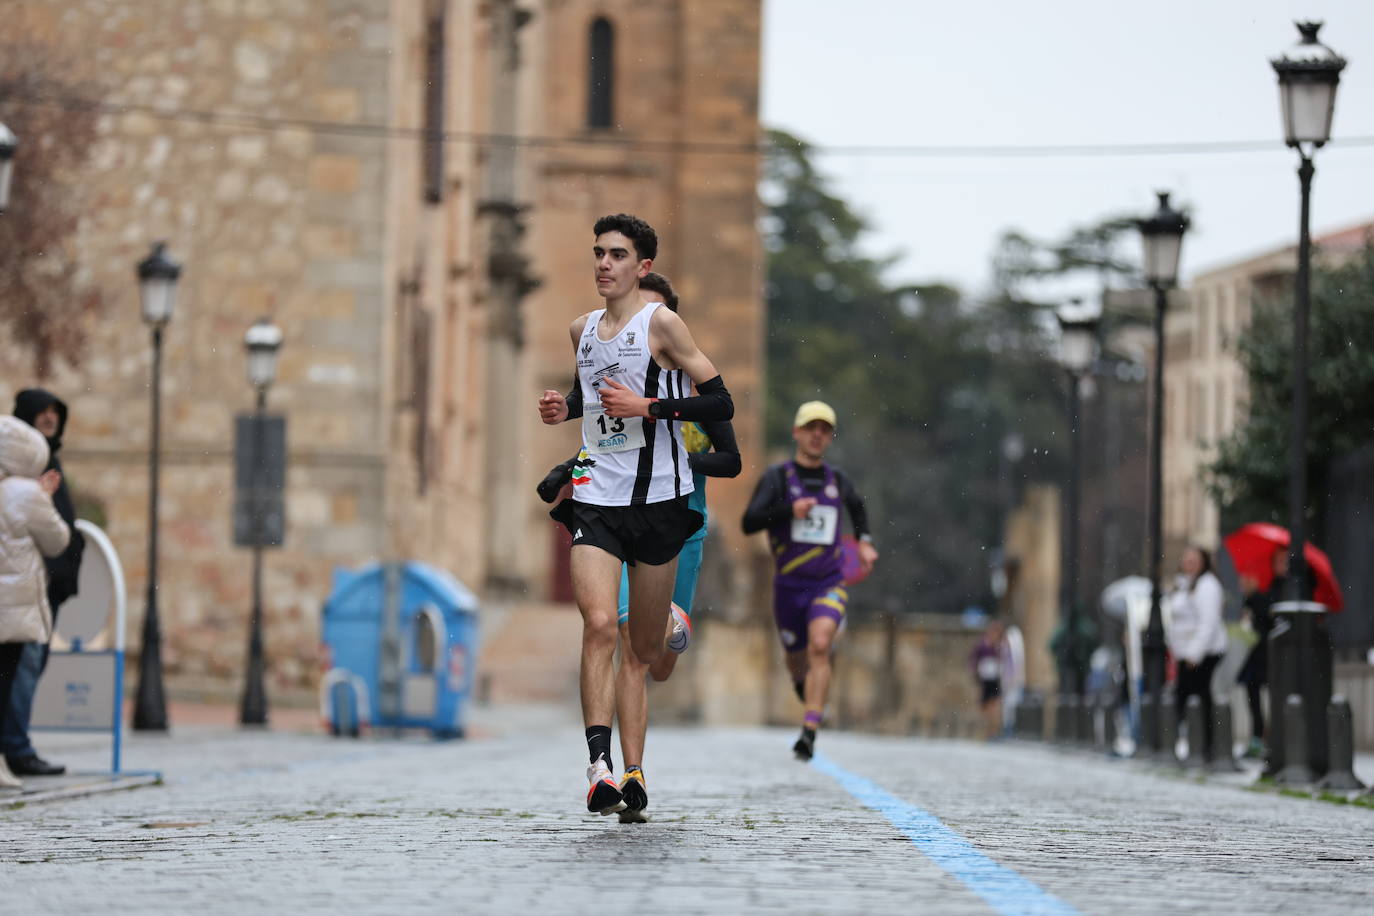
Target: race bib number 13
x: 604, y: 434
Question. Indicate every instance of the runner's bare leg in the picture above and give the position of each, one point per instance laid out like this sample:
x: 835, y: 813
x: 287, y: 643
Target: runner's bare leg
x: 651, y: 589
x: 820, y: 640
x: 661, y: 669
x: 596, y: 586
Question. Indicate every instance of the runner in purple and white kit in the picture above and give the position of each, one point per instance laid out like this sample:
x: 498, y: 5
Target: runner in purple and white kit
x: 799, y: 503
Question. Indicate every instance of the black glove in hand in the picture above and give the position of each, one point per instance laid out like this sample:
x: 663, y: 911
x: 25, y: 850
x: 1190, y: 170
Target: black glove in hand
x: 553, y: 482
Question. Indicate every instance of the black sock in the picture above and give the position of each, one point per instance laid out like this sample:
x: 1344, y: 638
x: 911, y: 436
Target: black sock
x: 599, y: 744
x: 800, y: 687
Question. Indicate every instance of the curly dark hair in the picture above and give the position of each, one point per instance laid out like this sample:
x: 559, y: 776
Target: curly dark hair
x: 657, y: 283
x: 633, y: 228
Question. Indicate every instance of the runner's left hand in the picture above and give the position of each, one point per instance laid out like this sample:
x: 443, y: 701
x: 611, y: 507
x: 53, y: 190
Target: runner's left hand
x: 620, y: 401
x: 868, y: 555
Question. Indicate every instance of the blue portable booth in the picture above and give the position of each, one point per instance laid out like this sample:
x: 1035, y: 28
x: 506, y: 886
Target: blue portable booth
x: 400, y: 640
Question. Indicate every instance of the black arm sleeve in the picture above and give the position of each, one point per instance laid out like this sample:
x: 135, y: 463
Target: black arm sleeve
x: 712, y: 402
x: 574, y: 399
x: 723, y: 459
x: 854, y: 503
x: 769, y: 505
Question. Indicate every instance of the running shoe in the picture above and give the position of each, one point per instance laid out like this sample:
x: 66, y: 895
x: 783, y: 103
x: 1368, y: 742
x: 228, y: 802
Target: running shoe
x: 636, y: 797
x: 681, y: 636
x: 805, y: 748
x: 603, y: 797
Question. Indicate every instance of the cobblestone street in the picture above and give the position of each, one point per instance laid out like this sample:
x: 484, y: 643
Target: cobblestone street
x: 292, y: 822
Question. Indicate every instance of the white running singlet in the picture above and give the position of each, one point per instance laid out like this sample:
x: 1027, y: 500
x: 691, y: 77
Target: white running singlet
x: 628, y: 461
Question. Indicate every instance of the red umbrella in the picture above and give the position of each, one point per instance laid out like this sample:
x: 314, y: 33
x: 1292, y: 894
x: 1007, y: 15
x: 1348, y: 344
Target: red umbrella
x: 1252, y: 549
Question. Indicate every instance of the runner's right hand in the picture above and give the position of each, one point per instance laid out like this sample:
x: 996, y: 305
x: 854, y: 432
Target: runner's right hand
x: 553, y: 407
x: 802, y: 507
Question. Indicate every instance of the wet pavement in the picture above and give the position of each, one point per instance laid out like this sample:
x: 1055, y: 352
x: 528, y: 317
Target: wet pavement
x: 300, y: 822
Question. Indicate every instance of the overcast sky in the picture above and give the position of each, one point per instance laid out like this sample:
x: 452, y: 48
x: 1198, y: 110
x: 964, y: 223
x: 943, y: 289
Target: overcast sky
x: 985, y: 73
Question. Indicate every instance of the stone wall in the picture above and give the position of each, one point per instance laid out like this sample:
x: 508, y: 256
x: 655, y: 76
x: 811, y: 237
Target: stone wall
x: 1033, y: 544
x: 222, y: 142
x: 275, y: 145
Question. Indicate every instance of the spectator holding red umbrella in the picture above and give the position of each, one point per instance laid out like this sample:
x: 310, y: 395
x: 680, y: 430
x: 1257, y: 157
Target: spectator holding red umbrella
x: 1197, y: 637
x: 1254, y: 674
x: 1252, y: 548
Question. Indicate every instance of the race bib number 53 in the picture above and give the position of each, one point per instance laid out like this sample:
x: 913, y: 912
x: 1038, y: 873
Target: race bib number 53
x: 819, y: 526
x: 604, y: 434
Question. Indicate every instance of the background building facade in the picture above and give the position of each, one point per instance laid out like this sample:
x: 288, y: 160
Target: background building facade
x: 1205, y: 384
x: 346, y: 167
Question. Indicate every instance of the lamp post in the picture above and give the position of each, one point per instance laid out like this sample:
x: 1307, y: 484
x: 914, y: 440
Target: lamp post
x: 1308, y: 75
x: 157, y: 286
x: 1077, y: 353
x: 1300, y: 646
x: 8, y: 144
x: 261, y: 345
x: 1162, y: 234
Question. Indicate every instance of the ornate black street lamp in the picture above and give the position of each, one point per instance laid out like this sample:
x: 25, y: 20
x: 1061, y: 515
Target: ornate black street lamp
x: 1299, y: 644
x: 1077, y: 354
x: 1308, y: 75
x: 1162, y: 233
x: 8, y: 144
x: 261, y: 344
x: 157, y: 287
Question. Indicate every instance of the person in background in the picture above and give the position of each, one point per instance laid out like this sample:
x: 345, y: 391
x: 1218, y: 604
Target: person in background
x: 1254, y: 674
x: 986, y: 661
x: 46, y: 413
x: 1196, y: 637
x: 30, y: 529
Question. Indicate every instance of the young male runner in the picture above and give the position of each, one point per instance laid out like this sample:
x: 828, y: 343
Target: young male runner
x: 798, y: 502
x: 630, y: 494
x: 711, y: 452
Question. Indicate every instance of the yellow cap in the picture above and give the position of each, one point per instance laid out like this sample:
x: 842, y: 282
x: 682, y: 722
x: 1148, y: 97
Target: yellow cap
x: 814, y: 410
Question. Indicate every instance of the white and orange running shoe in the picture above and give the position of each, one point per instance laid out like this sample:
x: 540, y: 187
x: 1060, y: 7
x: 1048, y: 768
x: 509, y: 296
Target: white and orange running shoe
x: 603, y: 796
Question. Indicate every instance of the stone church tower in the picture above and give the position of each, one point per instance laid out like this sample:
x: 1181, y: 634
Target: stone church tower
x: 662, y: 99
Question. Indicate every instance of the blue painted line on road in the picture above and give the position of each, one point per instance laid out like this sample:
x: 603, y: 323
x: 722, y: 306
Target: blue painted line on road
x: 1004, y: 890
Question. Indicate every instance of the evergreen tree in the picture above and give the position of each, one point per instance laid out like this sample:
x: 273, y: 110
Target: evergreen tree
x: 925, y: 382
x: 1249, y: 477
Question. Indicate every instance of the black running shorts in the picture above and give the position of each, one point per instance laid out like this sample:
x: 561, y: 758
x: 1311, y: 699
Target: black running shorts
x: 651, y: 534
x: 991, y: 690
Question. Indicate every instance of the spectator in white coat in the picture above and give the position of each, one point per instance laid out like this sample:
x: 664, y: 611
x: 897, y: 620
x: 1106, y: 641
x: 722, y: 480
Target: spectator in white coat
x: 1197, y: 637
x: 30, y: 529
